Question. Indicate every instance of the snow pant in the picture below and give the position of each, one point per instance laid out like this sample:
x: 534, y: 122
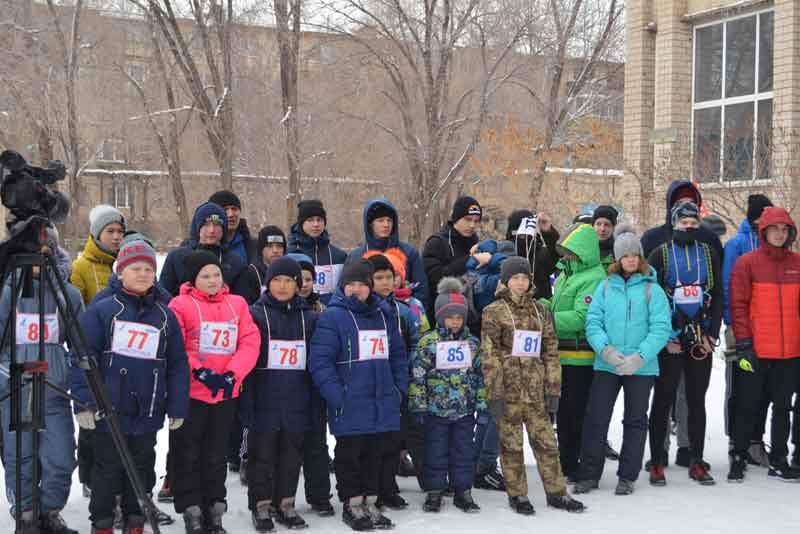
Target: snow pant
x: 576, y: 381
x: 543, y: 442
x: 697, y: 374
x: 391, y: 445
x: 730, y: 398
x: 602, y: 397
x: 56, y: 458
x: 315, y: 463
x: 449, y: 453
x: 109, y: 478
x: 681, y: 413
x: 198, y: 455
x: 487, y: 443
x: 356, y: 461
x: 85, y: 455
x: 779, y: 378
x: 273, y: 465
x: 414, y: 441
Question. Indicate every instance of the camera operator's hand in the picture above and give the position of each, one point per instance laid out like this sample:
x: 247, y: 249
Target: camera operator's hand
x: 86, y: 420
x: 748, y: 360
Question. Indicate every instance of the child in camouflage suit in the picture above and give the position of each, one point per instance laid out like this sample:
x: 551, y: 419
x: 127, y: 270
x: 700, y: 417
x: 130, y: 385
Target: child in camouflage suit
x: 523, y: 382
x: 445, y: 391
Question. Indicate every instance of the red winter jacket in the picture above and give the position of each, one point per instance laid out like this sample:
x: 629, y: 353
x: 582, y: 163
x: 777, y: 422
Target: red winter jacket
x: 223, y: 307
x: 765, y: 293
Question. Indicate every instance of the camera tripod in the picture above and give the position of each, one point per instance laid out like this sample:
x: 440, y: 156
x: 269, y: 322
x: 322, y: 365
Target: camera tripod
x: 32, y: 374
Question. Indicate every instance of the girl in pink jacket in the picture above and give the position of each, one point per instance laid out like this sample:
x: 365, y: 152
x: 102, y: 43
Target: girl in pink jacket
x: 222, y: 345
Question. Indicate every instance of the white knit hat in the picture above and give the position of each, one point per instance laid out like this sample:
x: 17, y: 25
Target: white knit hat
x: 103, y: 215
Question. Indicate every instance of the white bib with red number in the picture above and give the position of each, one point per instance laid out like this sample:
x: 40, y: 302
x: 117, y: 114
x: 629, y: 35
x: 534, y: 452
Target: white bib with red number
x: 327, y: 277
x: 453, y: 355
x: 136, y: 340
x: 287, y: 355
x: 218, y: 338
x: 28, y: 328
x: 527, y: 344
x: 692, y: 295
x: 373, y: 345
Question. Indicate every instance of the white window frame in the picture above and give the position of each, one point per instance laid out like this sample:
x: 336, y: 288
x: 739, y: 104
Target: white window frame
x: 723, y: 102
x: 121, y: 193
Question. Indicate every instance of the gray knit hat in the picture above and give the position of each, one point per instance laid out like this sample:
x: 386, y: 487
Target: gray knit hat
x: 450, y: 300
x: 103, y: 215
x: 514, y: 265
x: 626, y: 241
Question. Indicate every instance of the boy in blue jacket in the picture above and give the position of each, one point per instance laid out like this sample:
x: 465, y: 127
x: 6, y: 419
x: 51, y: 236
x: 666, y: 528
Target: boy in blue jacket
x: 138, y: 346
x: 358, y: 360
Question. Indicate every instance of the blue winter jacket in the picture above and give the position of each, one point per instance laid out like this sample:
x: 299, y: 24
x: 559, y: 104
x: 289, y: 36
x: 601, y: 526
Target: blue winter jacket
x: 486, y: 277
x: 141, y: 391
x: 279, y: 399
x: 622, y: 315
x: 237, y: 276
x: 415, y: 270
x: 363, y: 396
x: 318, y: 249
x: 745, y: 240
x: 115, y: 283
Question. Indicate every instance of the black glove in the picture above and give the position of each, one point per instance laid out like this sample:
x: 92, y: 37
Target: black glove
x: 498, y: 408
x: 748, y: 361
x: 216, y: 382
x: 228, y: 381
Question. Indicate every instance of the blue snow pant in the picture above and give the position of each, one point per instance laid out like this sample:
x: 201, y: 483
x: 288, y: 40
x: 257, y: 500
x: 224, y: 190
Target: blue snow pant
x: 487, y: 443
x: 449, y: 453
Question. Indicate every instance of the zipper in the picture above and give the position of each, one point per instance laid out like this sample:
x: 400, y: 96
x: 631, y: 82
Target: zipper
x: 155, y: 389
x: 688, y: 259
x: 780, y: 301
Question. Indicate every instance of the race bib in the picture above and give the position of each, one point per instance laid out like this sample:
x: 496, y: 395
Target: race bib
x: 327, y: 277
x: 287, y: 355
x: 373, y: 345
x: 688, y: 295
x: 136, y: 340
x: 218, y: 338
x: 28, y: 330
x: 453, y: 355
x: 527, y: 344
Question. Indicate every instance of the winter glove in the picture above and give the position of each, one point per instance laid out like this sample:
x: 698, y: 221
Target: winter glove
x: 86, y: 420
x: 498, y: 408
x: 228, y: 385
x: 748, y: 361
x: 630, y: 364
x: 551, y: 402
x: 175, y: 423
x: 216, y: 382
x: 612, y: 356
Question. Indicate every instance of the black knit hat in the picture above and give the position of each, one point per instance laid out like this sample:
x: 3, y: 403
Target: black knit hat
x: 194, y: 262
x: 381, y: 263
x: 714, y: 224
x: 225, y: 198
x: 609, y: 213
x: 271, y: 234
x: 514, y: 221
x: 464, y: 207
x: 755, y: 205
x: 687, y: 210
x: 310, y: 208
x: 378, y: 210
x: 356, y: 270
x: 514, y: 265
x: 285, y: 266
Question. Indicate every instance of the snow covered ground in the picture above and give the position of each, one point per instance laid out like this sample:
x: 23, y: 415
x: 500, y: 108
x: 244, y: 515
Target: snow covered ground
x: 759, y: 503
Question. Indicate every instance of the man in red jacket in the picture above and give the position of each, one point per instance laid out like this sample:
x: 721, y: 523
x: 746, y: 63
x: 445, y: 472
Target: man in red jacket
x: 765, y: 311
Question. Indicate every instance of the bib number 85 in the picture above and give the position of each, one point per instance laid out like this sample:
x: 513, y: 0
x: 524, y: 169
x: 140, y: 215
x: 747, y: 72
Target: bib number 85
x: 455, y: 354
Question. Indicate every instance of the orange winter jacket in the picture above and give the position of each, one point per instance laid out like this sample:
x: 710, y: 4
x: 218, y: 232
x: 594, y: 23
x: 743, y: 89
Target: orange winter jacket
x: 765, y: 293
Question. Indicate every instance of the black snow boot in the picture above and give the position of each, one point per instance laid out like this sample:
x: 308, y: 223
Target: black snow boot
x: 193, y: 520
x: 261, y: 517
x: 433, y: 502
x: 521, y: 505
x: 565, y: 502
x: 214, y: 518
x: 463, y: 501
x: 355, y: 516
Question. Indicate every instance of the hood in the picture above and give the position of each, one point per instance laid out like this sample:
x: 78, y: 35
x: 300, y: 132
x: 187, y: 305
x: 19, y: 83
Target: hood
x: 203, y: 212
x: 670, y: 197
x: 298, y: 239
x: 581, y: 240
x: 491, y: 247
x: 189, y: 289
x: 373, y: 242
x: 63, y: 263
x: 93, y: 253
x: 745, y: 228
x: 773, y: 215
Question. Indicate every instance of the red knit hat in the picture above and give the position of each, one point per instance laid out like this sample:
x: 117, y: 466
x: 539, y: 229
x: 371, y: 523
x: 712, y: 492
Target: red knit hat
x: 135, y: 251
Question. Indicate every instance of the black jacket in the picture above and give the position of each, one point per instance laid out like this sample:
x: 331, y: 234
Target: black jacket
x: 543, y: 258
x: 445, y: 254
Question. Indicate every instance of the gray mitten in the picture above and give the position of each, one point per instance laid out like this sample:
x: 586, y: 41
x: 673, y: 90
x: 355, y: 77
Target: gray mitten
x: 612, y: 356
x: 498, y: 408
x: 630, y: 364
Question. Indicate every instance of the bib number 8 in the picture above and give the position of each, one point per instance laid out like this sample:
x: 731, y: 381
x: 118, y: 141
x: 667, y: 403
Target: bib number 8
x: 321, y: 278
x: 531, y: 344
x: 33, y: 332
x: 290, y: 354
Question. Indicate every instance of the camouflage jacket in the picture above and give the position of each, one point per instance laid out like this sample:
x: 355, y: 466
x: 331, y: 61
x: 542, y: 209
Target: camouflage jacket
x: 450, y: 393
x: 518, y: 380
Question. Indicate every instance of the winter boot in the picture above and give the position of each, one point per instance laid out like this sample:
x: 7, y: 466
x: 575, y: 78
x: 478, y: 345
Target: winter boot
x: 214, y: 518
x: 700, y: 471
x: 393, y: 502
x: 288, y: 516
x: 566, y: 503
x: 463, y: 501
x: 53, y: 523
x: 243, y: 472
x: 611, y: 454
x: 757, y: 454
x: 657, y: 477
x: 28, y: 524
x: 490, y: 479
x: 261, y: 519
x: 379, y: 521
x: 780, y: 470
x: 193, y: 520
x: 323, y: 508
x: 585, y: 486
x: 521, y: 505
x: 162, y: 517
x: 103, y: 526
x: 738, y: 467
x: 624, y: 487
x: 355, y: 516
x: 134, y: 524
x: 165, y: 493
x: 433, y: 502
x: 683, y: 457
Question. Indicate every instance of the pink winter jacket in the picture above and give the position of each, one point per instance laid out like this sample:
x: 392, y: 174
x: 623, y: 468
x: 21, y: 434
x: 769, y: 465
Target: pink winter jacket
x: 223, y: 307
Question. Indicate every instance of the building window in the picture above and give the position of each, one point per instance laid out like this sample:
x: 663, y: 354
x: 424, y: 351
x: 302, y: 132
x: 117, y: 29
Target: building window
x: 120, y: 194
x: 732, y: 99
x: 113, y: 151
